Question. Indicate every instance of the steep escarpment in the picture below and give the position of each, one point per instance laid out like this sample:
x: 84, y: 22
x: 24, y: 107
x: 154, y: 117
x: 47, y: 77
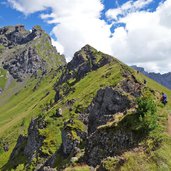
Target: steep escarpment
x: 25, y: 53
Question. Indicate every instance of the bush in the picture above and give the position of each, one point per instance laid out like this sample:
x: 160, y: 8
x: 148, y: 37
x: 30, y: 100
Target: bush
x: 147, y: 113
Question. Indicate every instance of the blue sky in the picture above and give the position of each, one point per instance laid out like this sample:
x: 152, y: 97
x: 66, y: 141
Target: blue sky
x: 10, y: 16
x: 135, y: 31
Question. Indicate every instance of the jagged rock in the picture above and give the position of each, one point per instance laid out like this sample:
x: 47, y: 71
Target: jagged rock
x: 25, y: 62
x: 109, y: 142
x: 107, y: 102
x: 19, y: 148
x: 27, y: 53
x: 132, y: 86
x: 71, y: 138
x: 84, y: 61
x: 34, y: 140
x: 68, y: 142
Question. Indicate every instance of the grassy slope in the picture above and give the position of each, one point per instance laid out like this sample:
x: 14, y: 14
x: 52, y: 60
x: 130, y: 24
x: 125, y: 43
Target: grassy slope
x: 22, y: 106
x: 16, y: 113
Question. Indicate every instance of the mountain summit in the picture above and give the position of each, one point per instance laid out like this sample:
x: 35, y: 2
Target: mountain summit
x: 25, y: 53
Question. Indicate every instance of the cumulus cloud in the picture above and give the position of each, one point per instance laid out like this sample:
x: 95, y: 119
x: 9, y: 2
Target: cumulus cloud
x: 144, y: 40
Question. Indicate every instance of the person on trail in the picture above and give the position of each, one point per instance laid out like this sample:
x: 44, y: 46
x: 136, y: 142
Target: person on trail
x: 164, y: 98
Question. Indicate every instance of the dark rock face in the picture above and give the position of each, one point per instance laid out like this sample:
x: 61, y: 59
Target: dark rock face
x: 27, y: 53
x: 35, y: 140
x: 71, y: 138
x: 163, y: 79
x: 11, y: 36
x: 109, y: 142
x: 107, y: 102
x: 84, y: 61
x: 132, y: 86
x: 29, y: 147
x: 24, y: 63
x: 68, y: 142
x: 19, y: 148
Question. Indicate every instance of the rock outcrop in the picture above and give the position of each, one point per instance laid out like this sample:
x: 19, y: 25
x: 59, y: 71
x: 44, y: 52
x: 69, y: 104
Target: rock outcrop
x: 86, y: 60
x: 107, y: 142
x: 107, y: 103
x: 27, y: 53
x: 11, y: 36
x: 72, y: 136
x: 29, y: 147
x: 35, y: 140
x: 25, y: 63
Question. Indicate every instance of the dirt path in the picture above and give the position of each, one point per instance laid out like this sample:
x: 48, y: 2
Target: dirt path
x: 169, y: 124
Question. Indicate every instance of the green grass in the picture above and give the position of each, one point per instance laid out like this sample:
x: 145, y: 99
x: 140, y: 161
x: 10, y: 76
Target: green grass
x: 78, y: 168
x: 23, y: 106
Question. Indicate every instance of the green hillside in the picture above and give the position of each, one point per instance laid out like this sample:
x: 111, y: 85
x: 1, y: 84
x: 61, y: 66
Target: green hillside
x: 37, y: 97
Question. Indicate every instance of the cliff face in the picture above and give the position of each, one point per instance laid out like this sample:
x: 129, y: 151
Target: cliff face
x: 26, y: 53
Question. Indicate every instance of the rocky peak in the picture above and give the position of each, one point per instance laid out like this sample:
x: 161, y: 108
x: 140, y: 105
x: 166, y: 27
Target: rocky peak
x: 25, y: 53
x: 85, y: 60
x: 90, y: 57
x: 36, y: 32
x: 9, y: 29
x: 11, y: 36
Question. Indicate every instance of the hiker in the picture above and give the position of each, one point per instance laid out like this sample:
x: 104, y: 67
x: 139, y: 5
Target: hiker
x: 164, y: 98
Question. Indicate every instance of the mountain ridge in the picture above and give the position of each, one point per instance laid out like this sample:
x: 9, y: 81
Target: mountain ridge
x: 94, y: 112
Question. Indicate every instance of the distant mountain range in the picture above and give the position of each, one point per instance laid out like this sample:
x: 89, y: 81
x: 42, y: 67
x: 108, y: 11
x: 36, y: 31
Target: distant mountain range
x: 164, y: 79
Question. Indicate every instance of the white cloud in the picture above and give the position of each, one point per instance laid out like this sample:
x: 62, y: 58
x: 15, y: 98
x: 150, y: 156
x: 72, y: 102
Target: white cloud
x: 127, y: 8
x: 146, y: 39
x: 58, y: 46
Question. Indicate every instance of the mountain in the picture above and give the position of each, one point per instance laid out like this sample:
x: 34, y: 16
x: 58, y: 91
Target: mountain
x: 91, y: 113
x: 163, y: 79
x: 27, y: 53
